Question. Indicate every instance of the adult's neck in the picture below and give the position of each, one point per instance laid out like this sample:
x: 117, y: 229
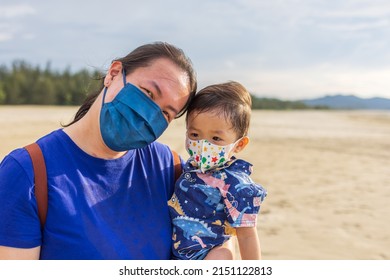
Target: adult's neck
x: 85, y: 133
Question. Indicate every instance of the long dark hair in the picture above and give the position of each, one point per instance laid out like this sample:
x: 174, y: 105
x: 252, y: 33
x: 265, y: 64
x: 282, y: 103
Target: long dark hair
x: 142, y: 57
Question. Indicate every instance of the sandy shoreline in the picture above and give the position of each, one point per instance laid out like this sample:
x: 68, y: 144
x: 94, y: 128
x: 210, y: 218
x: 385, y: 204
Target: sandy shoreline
x: 327, y: 174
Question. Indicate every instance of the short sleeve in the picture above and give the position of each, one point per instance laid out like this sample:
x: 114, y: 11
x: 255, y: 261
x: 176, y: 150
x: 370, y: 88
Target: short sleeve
x: 19, y: 222
x: 243, y: 201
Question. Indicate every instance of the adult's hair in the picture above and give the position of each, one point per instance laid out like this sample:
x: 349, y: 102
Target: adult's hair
x: 230, y: 100
x: 143, y: 56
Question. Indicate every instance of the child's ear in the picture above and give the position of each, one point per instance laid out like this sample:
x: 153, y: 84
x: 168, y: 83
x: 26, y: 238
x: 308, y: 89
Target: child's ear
x: 241, y: 144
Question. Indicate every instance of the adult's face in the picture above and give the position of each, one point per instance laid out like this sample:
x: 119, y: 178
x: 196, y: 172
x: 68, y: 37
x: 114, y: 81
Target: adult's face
x: 164, y: 82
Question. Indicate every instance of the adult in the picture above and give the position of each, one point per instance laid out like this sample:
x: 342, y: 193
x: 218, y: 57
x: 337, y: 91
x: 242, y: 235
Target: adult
x: 108, y: 180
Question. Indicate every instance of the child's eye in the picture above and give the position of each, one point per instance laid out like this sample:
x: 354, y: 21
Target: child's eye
x: 193, y: 135
x: 216, y: 138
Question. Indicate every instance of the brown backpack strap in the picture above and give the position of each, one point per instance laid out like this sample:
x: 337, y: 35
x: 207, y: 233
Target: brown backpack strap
x: 40, y: 180
x: 176, y: 164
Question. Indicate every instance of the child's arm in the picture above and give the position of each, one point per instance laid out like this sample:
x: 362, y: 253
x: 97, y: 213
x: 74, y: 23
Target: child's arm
x: 249, y: 243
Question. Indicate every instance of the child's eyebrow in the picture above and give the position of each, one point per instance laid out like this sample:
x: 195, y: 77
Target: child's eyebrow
x: 191, y: 126
x: 218, y: 131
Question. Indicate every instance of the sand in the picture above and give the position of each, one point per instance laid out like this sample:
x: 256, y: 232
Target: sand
x: 327, y: 174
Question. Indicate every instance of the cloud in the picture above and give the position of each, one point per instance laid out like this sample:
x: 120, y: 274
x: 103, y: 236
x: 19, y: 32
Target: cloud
x: 320, y: 80
x: 17, y: 10
x: 11, y: 26
x: 5, y: 36
x: 283, y: 48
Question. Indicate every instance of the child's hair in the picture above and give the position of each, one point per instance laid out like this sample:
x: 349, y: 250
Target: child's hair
x: 230, y: 99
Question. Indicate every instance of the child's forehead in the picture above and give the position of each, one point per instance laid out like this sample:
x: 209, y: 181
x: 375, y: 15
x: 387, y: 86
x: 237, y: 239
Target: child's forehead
x: 216, y: 120
x: 214, y: 114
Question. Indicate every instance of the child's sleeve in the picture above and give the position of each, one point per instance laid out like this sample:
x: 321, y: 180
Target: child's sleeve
x: 243, y: 201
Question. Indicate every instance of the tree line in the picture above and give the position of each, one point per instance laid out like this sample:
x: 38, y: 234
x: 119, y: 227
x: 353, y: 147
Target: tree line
x: 22, y: 83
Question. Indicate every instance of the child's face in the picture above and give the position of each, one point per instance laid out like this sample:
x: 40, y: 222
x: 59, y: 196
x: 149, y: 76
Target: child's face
x: 210, y: 126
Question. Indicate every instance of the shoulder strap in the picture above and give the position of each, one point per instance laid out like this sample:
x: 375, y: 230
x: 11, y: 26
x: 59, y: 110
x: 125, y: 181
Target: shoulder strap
x: 40, y: 180
x: 176, y: 164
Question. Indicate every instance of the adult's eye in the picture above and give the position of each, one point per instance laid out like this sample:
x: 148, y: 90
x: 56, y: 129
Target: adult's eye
x: 147, y: 92
x: 167, y: 116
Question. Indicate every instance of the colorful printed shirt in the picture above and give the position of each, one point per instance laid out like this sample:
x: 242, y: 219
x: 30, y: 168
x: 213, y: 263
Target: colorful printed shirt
x: 206, y: 207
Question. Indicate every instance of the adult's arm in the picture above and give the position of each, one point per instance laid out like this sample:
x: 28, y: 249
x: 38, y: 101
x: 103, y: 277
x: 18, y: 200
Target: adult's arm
x: 20, y: 231
x: 11, y: 253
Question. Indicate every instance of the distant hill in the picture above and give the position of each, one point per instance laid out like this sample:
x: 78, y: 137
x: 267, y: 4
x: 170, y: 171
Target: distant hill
x: 277, y: 104
x: 349, y: 102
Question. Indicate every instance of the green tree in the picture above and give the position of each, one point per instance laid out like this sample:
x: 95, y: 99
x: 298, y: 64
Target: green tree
x: 2, y: 94
x: 24, y: 84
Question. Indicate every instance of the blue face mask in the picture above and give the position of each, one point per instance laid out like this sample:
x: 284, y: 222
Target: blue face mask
x: 131, y: 121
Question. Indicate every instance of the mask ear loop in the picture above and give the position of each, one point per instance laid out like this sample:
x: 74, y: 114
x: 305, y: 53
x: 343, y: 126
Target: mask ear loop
x: 124, y: 84
x: 124, y: 76
x: 104, y: 95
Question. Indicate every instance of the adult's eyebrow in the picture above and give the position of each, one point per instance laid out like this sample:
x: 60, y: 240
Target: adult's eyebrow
x: 160, y: 95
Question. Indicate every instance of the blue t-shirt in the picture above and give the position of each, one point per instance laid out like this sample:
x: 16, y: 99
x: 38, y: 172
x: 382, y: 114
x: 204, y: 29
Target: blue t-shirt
x: 97, y: 209
x: 206, y: 207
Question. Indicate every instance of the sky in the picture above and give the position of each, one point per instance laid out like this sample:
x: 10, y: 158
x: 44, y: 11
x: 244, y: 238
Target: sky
x: 287, y: 49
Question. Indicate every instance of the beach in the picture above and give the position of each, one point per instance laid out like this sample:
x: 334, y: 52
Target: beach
x: 327, y: 174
